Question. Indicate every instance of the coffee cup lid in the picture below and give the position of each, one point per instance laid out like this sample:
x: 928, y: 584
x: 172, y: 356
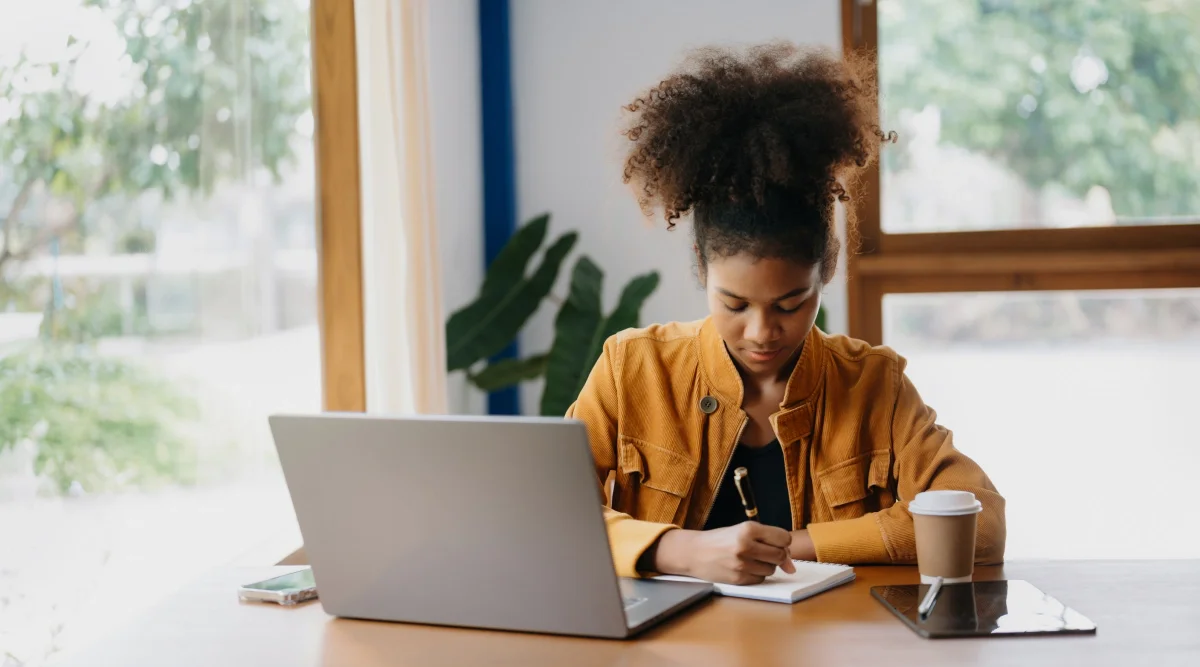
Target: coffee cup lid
x: 945, y: 503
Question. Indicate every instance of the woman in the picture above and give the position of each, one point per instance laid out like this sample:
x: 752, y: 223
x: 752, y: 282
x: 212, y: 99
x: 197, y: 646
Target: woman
x: 758, y: 148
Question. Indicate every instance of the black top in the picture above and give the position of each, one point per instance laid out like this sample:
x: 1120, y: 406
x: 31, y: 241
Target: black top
x: 768, y: 479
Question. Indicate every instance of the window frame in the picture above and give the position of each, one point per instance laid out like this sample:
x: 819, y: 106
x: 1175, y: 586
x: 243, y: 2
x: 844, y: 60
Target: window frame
x: 1079, y: 258
x: 339, y: 206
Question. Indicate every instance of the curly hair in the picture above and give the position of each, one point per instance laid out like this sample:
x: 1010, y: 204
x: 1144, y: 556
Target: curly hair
x: 757, y: 145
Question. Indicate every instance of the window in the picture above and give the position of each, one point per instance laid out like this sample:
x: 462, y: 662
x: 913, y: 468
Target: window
x: 1030, y: 245
x: 1075, y: 403
x: 158, y: 298
x: 1023, y: 114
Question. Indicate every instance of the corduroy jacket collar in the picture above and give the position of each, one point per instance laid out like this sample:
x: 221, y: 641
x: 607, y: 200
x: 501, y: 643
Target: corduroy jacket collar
x: 721, y: 372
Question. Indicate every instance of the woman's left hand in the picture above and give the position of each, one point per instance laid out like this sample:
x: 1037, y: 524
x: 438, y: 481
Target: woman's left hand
x: 802, y: 547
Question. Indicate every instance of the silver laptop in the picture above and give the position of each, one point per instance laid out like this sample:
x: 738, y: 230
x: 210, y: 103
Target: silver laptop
x: 483, y: 522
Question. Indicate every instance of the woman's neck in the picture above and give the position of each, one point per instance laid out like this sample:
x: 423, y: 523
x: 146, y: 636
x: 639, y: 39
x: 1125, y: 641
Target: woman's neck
x: 759, y: 383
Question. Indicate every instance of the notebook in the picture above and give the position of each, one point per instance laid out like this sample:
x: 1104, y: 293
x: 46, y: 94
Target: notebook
x: 810, y: 578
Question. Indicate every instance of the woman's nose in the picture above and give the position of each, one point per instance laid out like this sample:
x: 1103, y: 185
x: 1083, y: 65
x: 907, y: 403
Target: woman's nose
x: 760, y: 330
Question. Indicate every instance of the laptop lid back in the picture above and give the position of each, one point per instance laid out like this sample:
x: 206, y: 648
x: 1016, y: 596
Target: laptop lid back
x: 465, y: 521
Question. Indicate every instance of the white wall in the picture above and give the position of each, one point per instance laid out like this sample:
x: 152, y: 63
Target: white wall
x: 575, y: 63
x: 457, y: 157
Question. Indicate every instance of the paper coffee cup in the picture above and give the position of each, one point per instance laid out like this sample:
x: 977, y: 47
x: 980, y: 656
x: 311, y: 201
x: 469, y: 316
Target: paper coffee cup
x: 944, y: 522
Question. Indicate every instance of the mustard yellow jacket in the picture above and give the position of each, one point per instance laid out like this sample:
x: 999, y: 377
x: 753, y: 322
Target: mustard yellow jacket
x: 858, y: 443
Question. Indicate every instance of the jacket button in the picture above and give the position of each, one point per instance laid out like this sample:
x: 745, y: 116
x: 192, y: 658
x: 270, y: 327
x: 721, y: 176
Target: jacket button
x: 708, y: 405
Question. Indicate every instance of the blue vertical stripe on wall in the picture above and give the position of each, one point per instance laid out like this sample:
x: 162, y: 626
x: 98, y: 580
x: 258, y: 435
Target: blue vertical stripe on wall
x: 499, y: 163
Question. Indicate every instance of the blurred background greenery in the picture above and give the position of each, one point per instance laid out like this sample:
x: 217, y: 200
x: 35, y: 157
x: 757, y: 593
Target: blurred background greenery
x: 134, y: 106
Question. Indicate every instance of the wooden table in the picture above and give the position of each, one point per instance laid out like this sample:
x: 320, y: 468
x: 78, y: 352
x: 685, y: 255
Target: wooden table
x: 1147, y: 612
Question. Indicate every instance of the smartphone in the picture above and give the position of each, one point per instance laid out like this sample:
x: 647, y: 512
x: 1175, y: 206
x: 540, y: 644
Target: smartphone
x: 288, y: 589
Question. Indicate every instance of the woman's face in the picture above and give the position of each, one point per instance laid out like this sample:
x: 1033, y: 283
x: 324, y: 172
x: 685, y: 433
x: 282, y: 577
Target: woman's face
x: 763, y: 308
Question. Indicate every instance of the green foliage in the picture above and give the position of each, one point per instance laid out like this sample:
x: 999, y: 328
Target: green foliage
x: 100, y: 421
x: 508, y: 298
x: 195, y: 93
x: 23, y: 294
x: 581, y: 328
x: 1000, y: 72
x: 180, y: 118
x: 507, y: 372
x: 89, y: 314
x: 200, y: 63
x: 82, y: 325
x: 139, y: 240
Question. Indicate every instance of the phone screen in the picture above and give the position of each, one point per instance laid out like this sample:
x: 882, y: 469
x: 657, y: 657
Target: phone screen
x: 294, y: 581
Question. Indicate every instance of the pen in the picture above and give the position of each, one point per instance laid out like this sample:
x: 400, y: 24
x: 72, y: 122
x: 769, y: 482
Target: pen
x: 930, y: 598
x: 741, y: 479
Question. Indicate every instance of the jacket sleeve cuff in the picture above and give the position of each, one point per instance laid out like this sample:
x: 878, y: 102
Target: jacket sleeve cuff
x: 850, y: 542
x: 630, y: 539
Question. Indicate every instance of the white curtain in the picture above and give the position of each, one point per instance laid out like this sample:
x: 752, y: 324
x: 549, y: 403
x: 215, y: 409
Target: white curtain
x: 402, y: 292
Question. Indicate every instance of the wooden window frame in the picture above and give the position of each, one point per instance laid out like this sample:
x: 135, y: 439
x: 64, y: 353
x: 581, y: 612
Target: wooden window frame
x: 339, y: 205
x: 339, y: 222
x: 1085, y: 258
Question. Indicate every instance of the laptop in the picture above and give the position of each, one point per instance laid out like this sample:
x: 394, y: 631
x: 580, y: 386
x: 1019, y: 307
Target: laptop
x: 480, y: 522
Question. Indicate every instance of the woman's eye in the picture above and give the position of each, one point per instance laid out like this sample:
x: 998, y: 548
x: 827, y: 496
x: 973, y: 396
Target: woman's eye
x: 788, y: 310
x: 737, y: 309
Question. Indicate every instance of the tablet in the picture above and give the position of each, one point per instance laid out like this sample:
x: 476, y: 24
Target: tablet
x: 983, y: 608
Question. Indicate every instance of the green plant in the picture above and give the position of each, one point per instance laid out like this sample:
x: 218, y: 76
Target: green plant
x: 509, y: 297
x: 1010, y: 81
x: 101, y: 421
x: 175, y: 118
x: 88, y: 314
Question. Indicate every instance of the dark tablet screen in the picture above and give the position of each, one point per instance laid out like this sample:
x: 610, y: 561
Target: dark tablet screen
x: 983, y: 608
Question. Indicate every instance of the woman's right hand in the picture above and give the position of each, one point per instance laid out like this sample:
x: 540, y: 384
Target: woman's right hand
x: 743, y: 554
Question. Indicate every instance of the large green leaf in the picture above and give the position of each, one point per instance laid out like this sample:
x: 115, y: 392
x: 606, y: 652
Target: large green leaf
x: 581, y: 329
x: 507, y: 372
x: 504, y: 276
x: 629, y: 306
x: 510, y: 264
x: 578, y: 321
x: 493, y: 320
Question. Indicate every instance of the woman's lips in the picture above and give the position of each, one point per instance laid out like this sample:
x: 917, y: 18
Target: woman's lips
x: 762, y: 356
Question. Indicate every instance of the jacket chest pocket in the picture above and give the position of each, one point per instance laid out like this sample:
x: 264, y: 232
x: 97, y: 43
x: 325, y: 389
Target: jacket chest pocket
x: 859, y: 486
x: 653, y: 482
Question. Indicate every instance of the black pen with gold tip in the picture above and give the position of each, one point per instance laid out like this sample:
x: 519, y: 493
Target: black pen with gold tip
x: 741, y: 479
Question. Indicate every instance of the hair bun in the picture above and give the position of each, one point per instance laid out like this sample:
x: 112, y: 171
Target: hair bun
x: 729, y: 125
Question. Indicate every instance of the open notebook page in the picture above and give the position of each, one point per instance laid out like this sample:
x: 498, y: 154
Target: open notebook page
x: 810, y: 578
